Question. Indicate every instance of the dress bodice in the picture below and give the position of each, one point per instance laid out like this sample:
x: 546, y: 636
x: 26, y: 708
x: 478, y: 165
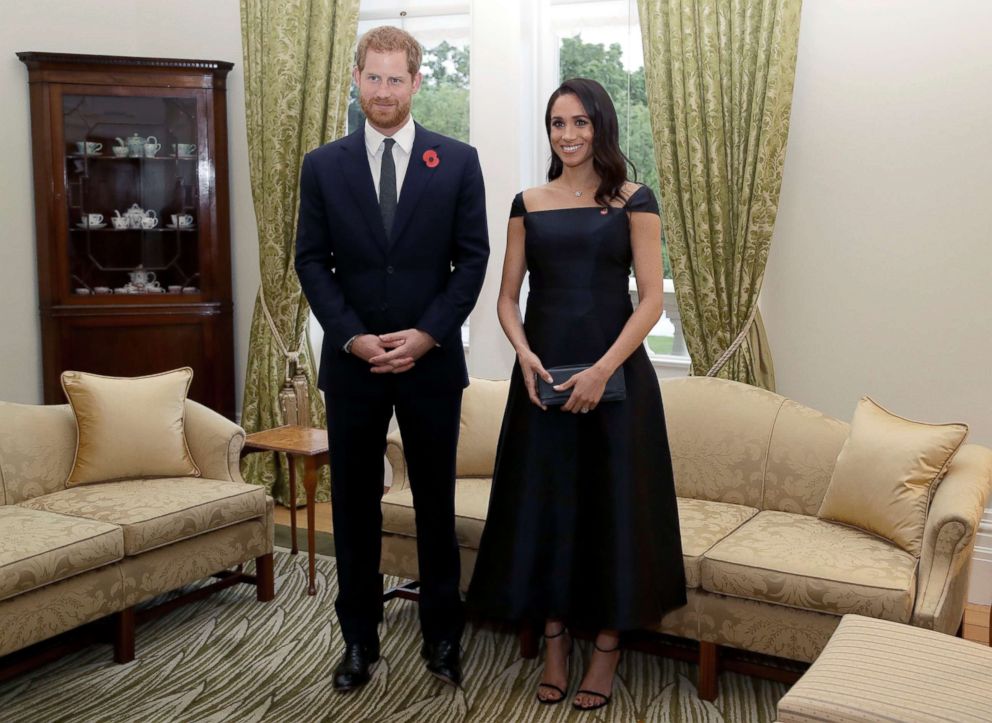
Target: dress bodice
x: 579, y: 261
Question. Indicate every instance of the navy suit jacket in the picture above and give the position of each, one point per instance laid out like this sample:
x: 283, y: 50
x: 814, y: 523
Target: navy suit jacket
x: 426, y: 275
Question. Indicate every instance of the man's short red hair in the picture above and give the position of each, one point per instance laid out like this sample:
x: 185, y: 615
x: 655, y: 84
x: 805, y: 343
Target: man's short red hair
x: 388, y: 39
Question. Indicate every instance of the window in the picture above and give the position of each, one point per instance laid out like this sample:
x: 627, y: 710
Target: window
x: 601, y: 39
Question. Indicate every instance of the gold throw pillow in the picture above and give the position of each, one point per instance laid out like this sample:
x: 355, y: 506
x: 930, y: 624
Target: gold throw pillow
x: 886, y: 473
x: 129, y: 427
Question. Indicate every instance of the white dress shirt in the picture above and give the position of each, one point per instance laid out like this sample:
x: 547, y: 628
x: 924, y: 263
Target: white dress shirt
x: 402, y: 149
x: 401, y: 152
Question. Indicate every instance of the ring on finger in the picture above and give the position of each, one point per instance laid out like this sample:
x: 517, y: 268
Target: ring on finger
x: 585, y: 410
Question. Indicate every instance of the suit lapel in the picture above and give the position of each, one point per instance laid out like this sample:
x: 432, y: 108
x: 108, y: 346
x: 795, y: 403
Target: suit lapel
x: 418, y: 177
x: 355, y: 167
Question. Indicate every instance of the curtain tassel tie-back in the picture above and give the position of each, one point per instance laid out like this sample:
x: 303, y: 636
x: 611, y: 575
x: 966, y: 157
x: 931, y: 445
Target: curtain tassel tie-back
x: 735, y: 345
x: 294, y: 402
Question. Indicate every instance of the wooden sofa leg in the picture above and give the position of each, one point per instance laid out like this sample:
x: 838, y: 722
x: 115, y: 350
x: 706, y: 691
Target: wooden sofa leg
x: 709, y: 669
x: 528, y: 641
x: 265, y: 578
x: 124, y: 636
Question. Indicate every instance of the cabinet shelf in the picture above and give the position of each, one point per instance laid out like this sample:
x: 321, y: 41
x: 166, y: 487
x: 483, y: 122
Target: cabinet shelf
x: 132, y: 230
x: 118, y: 159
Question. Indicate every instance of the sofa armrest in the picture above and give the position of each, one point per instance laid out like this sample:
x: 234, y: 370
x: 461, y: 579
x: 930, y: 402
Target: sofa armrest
x: 394, y: 453
x: 215, y: 443
x: 949, y: 540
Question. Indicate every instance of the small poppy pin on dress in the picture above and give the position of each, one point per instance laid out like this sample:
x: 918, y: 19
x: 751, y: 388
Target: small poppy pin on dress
x: 430, y: 158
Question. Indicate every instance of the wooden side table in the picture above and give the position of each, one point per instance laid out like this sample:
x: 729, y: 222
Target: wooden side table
x: 297, y: 442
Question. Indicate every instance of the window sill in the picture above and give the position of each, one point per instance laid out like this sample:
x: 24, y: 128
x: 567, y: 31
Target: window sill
x: 667, y: 366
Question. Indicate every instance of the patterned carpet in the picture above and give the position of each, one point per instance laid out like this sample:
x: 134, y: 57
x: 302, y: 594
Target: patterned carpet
x: 229, y: 658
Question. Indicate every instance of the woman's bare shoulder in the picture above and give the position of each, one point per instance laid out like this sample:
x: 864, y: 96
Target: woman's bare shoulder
x: 537, y: 197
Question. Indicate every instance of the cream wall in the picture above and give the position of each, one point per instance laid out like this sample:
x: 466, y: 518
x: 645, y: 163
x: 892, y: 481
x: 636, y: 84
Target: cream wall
x: 181, y: 28
x: 879, y: 279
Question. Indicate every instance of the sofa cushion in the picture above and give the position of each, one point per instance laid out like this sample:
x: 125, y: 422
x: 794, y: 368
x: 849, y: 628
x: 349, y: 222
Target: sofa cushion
x: 129, y: 426
x: 703, y: 524
x: 36, y: 447
x: 801, y: 458
x: 803, y: 562
x: 719, y: 432
x: 471, y: 506
x: 157, y: 512
x: 481, y: 419
x: 38, y: 548
x: 886, y: 472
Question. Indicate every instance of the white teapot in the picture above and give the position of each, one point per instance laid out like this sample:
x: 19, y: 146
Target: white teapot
x: 141, y: 278
x: 134, y: 215
x: 135, y: 145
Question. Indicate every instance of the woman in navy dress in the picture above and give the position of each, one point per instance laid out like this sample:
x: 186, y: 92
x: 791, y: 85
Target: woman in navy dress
x: 582, y: 528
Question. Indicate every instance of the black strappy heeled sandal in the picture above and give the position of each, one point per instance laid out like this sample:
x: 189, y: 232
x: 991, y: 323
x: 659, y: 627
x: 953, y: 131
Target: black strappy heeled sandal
x: 603, y: 696
x: 561, y: 693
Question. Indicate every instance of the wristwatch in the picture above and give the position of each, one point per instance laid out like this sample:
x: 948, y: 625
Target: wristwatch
x: 347, y: 344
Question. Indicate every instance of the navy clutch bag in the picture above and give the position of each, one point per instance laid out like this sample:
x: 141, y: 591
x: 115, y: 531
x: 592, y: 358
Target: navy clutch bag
x: 616, y: 387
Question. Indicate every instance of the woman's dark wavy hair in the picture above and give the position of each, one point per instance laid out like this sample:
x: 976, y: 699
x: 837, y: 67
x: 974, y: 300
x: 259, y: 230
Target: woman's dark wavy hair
x: 608, y: 160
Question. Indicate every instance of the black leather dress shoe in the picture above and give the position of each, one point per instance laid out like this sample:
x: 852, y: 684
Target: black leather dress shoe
x: 355, y: 666
x: 443, y: 661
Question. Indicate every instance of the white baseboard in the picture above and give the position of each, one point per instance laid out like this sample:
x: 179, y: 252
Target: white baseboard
x: 980, y: 589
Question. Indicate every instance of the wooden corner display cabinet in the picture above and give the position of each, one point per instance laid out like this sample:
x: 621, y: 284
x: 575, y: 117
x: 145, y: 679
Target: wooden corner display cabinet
x: 131, y: 206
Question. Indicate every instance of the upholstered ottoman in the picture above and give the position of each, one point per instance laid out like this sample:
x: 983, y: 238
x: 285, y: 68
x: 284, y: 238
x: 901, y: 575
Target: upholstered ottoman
x: 876, y: 670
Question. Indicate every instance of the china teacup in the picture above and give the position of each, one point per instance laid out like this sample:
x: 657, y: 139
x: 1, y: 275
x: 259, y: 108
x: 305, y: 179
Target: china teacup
x: 151, y: 149
x: 92, y: 219
x: 185, y: 149
x: 149, y: 222
x: 175, y: 288
x: 101, y: 289
x: 182, y: 220
x: 89, y: 148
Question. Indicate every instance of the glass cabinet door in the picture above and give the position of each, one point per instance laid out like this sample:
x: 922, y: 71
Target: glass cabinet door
x: 132, y: 194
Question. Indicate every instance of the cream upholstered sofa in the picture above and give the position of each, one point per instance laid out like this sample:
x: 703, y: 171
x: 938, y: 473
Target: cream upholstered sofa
x: 72, y: 555
x: 764, y: 574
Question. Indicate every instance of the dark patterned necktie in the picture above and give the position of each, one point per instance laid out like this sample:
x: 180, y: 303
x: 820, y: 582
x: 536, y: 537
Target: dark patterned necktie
x: 387, y: 187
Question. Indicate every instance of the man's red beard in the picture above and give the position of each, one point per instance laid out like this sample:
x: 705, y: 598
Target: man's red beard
x: 384, y: 117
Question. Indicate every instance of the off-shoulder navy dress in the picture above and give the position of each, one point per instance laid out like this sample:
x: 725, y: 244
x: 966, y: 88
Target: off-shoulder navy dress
x: 582, y: 521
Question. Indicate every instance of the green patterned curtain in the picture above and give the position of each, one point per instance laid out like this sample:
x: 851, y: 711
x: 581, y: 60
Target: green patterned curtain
x: 719, y: 82
x: 298, y: 58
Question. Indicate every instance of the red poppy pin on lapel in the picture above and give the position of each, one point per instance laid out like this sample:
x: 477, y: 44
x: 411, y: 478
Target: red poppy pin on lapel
x: 430, y: 158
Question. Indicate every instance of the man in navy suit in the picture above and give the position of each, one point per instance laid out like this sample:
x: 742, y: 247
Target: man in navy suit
x: 391, y: 251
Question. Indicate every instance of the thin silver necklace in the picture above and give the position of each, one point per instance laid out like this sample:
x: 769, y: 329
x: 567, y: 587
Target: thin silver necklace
x: 578, y: 194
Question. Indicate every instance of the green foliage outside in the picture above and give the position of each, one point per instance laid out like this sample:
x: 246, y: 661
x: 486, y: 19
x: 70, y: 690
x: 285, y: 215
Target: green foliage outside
x: 661, y: 344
